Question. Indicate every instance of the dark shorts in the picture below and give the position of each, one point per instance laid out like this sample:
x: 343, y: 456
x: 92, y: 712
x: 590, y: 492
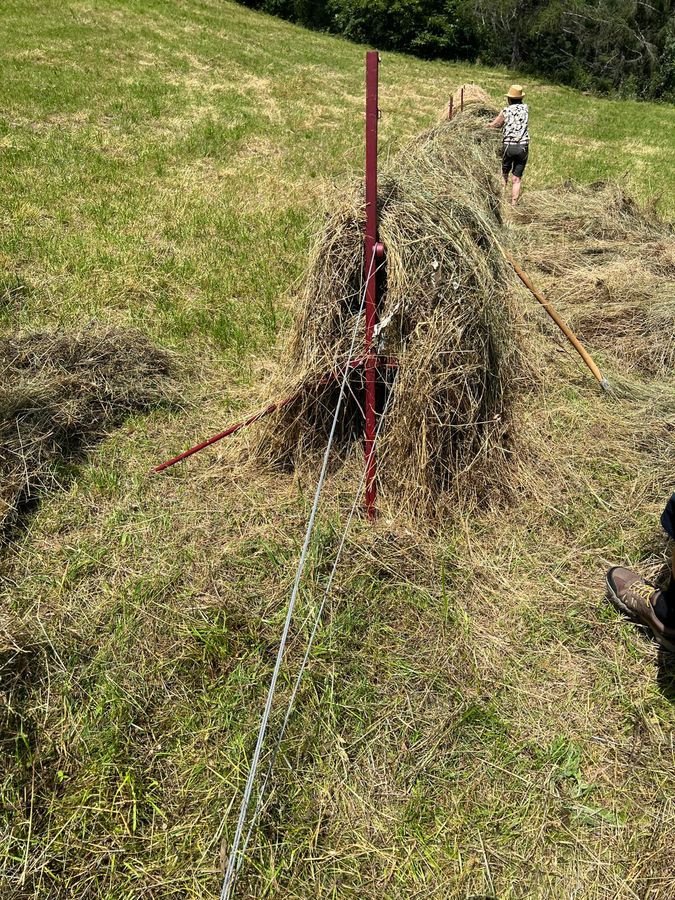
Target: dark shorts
x: 514, y: 159
x: 668, y: 518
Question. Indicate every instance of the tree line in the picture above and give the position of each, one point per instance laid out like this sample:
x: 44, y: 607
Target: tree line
x: 613, y: 46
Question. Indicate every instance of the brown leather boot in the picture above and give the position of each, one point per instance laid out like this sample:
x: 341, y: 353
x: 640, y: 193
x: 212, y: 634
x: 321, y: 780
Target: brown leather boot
x: 636, y: 598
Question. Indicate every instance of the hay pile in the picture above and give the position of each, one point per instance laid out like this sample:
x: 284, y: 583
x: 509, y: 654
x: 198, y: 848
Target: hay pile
x: 450, y: 311
x: 472, y: 95
x: 609, y: 264
x: 449, y: 321
x: 59, y: 393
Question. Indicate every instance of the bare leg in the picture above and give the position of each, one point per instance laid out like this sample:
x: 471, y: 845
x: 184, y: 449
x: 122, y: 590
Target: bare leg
x: 516, y: 190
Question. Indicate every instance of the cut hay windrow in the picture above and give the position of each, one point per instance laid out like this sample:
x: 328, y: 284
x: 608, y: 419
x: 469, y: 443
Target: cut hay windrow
x: 601, y: 210
x: 59, y: 394
x: 445, y: 316
x: 610, y: 265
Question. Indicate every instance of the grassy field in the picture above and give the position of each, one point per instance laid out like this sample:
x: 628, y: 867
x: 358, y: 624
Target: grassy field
x: 475, y: 722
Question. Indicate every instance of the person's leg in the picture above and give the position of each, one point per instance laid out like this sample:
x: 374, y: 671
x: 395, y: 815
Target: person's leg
x: 665, y: 603
x: 643, y: 602
x: 507, y: 164
x: 515, y: 190
x: 519, y: 163
x: 665, y: 606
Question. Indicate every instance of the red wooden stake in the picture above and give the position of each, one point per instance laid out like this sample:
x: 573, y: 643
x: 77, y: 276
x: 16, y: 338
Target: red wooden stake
x: 461, y: 100
x: 371, y: 251
x: 450, y: 107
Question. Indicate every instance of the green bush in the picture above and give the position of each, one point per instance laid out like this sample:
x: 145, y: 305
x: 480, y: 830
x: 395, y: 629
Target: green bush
x: 429, y: 28
x: 663, y: 84
x: 432, y: 28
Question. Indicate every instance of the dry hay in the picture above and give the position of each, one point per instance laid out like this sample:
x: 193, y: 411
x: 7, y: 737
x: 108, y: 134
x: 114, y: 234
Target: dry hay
x: 472, y: 95
x: 59, y: 394
x: 450, y: 314
x: 448, y: 322
x: 603, y: 210
x: 609, y: 263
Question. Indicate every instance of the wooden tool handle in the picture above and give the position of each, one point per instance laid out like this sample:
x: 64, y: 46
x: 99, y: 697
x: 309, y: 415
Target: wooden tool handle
x: 559, y: 321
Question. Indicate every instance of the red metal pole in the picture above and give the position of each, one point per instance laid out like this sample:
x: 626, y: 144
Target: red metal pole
x: 371, y: 248
x: 232, y: 429
x: 272, y: 407
x: 461, y: 100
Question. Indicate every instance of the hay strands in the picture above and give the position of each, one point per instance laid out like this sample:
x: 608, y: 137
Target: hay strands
x: 559, y: 321
x: 326, y: 380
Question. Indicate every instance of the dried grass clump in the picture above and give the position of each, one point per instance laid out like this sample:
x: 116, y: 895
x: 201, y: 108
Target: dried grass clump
x: 447, y: 320
x: 623, y: 308
x: 472, y: 95
x: 603, y: 210
x: 59, y: 394
x: 609, y: 263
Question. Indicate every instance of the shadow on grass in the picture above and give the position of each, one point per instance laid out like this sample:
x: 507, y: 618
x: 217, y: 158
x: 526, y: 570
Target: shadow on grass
x: 665, y: 677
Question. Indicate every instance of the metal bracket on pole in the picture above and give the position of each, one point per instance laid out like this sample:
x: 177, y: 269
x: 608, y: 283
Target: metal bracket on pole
x: 373, y: 251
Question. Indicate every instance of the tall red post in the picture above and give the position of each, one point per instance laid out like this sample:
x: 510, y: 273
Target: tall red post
x: 450, y: 104
x: 371, y: 254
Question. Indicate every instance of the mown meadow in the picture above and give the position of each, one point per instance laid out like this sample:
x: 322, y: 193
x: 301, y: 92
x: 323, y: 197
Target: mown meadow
x: 476, y: 721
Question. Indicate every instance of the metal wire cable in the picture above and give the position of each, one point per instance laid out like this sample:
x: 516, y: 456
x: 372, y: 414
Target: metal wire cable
x: 232, y: 863
x: 317, y: 622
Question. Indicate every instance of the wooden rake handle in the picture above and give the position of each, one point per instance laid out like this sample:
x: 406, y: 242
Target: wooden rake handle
x: 559, y: 321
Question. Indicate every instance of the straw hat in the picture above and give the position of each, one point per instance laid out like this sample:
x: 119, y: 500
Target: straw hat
x: 515, y: 92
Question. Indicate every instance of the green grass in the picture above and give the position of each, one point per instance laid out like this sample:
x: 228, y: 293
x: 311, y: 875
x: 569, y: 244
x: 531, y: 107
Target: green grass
x: 474, y: 721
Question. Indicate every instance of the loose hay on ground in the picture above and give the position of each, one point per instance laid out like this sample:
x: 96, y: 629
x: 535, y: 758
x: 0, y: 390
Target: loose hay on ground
x: 603, y: 210
x: 59, y: 394
x: 609, y: 263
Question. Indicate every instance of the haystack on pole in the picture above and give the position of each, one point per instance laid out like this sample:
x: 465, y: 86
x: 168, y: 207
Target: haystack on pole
x: 445, y: 318
x: 373, y: 250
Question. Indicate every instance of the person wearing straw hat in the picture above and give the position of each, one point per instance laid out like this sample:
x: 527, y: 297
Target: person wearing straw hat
x: 641, y: 601
x: 514, y: 119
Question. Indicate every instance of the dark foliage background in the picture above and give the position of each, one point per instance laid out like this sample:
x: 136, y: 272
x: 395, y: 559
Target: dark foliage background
x: 624, y: 46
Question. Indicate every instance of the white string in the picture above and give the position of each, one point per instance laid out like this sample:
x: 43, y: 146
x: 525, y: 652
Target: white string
x: 317, y: 621
x: 232, y: 863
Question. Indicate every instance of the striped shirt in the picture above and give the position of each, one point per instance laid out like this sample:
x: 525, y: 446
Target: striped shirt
x: 516, y: 118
